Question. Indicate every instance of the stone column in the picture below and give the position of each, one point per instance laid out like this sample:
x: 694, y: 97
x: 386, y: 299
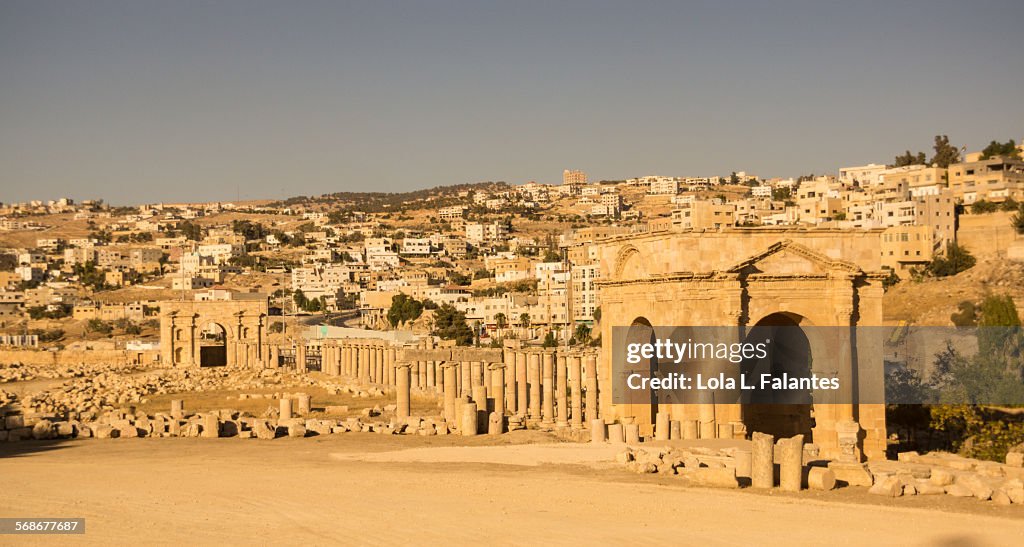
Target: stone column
x: 286, y: 409
x: 743, y: 463
x: 275, y: 356
x: 706, y: 413
x: 593, y: 412
x: 466, y: 379
x: 547, y: 384
x: 305, y: 403
x: 561, y: 385
x: 374, y: 361
x: 533, y: 377
x: 475, y: 374
x: 691, y: 429
x: 521, y: 386
x: 632, y: 432
x: 510, y: 382
x: 380, y: 365
x: 403, y: 371
x: 498, y: 386
x: 389, y: 361
x: 327, y: 358
x: 469, y: 424
x: 615, y: 434
x: 177, y: 409
x: 597, y: 434
x: 661, y: 429
x: 450, y: 392
x: 431, y: 380
x: 495, y: 423
x: 576, y: 383
x: 488, y: 384
x: 300, y: 356
x: 762, y: 461
x: 480, y: 398
x: 791, y: 463
x: 211, y: 426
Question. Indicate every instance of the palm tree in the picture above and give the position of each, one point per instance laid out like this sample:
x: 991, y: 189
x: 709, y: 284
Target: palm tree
x: 501, y: 322
x: 524, y: 321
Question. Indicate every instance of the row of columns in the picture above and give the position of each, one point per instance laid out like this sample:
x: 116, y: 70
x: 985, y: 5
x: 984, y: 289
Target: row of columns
x: 369, y: 361
x: 542, y: 386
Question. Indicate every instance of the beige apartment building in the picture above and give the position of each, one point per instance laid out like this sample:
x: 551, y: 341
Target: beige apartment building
x: 704, y: 215
x: 906, y: 247
x: 997, y: 179
x: 918, y: 180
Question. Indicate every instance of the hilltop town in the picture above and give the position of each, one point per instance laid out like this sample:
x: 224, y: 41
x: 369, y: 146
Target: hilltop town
x: 502, y: 260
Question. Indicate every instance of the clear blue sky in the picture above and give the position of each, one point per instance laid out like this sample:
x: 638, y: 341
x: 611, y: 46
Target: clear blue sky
x: 143, y: 101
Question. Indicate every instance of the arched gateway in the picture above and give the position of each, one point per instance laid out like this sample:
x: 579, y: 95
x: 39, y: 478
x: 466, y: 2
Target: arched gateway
x: 755, y: 280
x: 214, y: 332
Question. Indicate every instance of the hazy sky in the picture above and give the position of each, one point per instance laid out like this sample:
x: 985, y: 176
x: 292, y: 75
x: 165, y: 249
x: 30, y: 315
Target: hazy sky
x: 162, y: 101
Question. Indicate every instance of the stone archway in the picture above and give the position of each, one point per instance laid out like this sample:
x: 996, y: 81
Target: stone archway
x: 736, y: 280
x: 644, y: 404
x: 213, y: 345
x: 240, y: 332
x: 780, y: 413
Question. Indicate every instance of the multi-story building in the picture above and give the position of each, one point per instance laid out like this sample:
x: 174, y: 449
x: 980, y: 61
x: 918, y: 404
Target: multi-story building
x: 996, y: 179
x: 906, y: 247
x: 664, y: 186
x: 477, y: 232
x: 704, y: 214
x: 864, y: 176
x: 585, y: 296
x: 222, y: 252
x: 917, y: 180
x: 574, y: 177
x: 451, y: 213
x: 552, y: 307
x: 417, y: 246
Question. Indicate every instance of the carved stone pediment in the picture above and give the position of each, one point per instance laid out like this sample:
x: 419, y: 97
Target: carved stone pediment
x: 792, y: 259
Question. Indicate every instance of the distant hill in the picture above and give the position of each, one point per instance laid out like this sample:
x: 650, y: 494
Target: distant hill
x: 375, y: 202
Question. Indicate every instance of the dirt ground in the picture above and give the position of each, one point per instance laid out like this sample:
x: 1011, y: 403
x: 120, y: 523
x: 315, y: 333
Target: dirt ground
x: 370, y: 489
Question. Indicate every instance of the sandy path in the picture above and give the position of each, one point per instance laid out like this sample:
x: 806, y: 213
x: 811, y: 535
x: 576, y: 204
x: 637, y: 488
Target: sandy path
x: 324, y: 491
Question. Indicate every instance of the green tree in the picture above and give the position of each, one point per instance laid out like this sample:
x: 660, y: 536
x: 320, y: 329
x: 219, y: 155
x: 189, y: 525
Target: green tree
x: 582, y: 334
x: 450, y: 324
x: 404, y: 309
x: 500, y: 321
x: 996, y: 149
x: 98, y: 325
x: 956, y: 259
x: 945, y: 153
x: 999, y: 334
x: 1017, y: 220
x: 249, y: 229
x: 783, y: 193
x: 301, y: 302
x: 190, y: 230
x: 549, y: 340
x: 907, y: 158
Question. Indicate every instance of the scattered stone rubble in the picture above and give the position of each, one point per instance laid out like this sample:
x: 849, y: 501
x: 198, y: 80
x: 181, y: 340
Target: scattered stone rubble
x: 19, y: 372
x: 90, y: 397
x: 912, y: 475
